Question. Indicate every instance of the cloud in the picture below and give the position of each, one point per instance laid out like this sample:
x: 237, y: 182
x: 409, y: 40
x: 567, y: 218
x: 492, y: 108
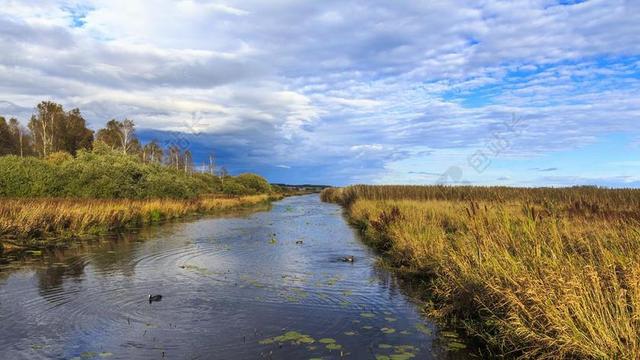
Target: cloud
x: 345, y: 90
x: 545, y: 169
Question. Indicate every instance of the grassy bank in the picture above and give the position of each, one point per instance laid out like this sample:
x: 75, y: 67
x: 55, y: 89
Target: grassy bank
x: 23, y: 219
x: 534, y: 273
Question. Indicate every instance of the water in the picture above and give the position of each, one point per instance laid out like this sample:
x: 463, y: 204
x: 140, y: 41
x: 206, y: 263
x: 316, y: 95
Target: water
x: 229, y: 286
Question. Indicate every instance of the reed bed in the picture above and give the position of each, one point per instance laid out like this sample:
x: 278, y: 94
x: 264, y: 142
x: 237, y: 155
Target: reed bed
x: 35, y: 217
x: 534, y: 273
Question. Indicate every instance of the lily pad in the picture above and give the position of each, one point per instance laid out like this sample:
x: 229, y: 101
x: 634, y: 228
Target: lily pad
x: 403, y: 356
x: 385, y: 346
x: 454, y: 345
x: 333, y: 346
x: 404, y: 348
x: 293, y: 337
x: 449, y: 334
x: 367, y: 315
x: 424, y: 329
x: 327, y: 341
x: 388, y: 330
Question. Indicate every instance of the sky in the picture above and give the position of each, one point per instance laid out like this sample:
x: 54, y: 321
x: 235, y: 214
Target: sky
x: 517, y: 93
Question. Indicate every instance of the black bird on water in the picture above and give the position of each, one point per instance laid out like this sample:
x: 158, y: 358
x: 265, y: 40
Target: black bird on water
x: 348, y: 259
x: 153, y: 298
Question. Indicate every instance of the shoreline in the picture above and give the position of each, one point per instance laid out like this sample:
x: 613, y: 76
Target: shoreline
x: 40, y: 222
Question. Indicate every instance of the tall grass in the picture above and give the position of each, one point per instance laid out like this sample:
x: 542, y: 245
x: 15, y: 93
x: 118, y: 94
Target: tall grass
x: 29, y: 218
x: 535, y: 273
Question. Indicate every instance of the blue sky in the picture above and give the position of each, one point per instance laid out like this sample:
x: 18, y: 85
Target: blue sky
x: 526, y: 93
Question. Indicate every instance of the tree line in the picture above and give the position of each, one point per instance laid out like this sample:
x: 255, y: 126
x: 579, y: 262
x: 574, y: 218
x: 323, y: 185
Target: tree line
x: 51, y: 129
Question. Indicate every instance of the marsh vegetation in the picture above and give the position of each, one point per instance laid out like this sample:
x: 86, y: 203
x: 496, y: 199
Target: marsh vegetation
x: 533, y: 273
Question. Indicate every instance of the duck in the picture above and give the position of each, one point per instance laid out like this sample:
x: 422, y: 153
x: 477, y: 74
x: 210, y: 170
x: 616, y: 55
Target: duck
x: 153, y: 298
x: 349, y: 258
x: 299, y: 242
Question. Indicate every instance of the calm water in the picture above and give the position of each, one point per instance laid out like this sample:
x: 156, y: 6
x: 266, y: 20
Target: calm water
x: 231, y: 290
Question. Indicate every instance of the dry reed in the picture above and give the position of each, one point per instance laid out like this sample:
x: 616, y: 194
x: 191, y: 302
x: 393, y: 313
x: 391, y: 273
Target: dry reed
x: 35, y: 217
x: 535, y: 273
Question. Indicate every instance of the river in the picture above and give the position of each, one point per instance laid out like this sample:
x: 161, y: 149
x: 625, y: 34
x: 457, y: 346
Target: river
x: 261, y: 284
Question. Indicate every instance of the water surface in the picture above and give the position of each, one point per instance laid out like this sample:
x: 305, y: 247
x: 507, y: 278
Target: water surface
x: 234, y: 287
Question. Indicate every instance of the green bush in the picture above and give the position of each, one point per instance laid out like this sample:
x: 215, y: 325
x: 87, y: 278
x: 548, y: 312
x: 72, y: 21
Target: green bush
x: 254, y: 182
x: 108, y: 174
x: 232, y: 187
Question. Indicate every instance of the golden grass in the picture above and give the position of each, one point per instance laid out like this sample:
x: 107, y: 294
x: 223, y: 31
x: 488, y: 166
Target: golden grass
x: 536, y: 273
x: 28, y: 218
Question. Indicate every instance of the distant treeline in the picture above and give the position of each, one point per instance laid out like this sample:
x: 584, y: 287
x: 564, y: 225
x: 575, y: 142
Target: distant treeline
x: 56, y: 155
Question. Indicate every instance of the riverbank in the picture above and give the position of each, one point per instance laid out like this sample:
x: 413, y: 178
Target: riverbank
x: 532, y: 273
x: 24, y: 219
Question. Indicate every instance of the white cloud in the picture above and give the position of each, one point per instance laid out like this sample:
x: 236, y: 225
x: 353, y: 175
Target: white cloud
x: 311, y: 79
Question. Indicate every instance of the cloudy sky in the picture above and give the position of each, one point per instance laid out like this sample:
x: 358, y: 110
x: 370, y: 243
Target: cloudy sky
x: 485, y: 92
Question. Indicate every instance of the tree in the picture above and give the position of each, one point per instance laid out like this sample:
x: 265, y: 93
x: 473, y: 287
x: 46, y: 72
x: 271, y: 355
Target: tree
x: 55, y: 130
x: 173, y: 156
x: 7, y: 140
x: 120, y: 135
x: 187, y: 159
x: 22, y: 136
x: 152, y: 153
x: 43, y: 126
x: 223, y: 174
x: 73, y: 134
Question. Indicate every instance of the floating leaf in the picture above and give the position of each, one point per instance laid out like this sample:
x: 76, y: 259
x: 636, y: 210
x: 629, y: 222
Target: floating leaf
x: 367, y: 315
x: 385, y: 346
x: 404, y: 348
x: 293, y: 337
x: 403, y: 356
x: 449, y: 334
x: 454, y: 345
x: 424, y: 329
x: 388, y: 330
x: 327, y: 341
x: 390, y: 319
x: 349, y: 333
x: 334, y: 346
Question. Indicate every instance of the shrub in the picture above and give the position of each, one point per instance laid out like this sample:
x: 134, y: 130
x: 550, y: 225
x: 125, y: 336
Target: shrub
x: 254, y: 182
x: 107, y: 174
x: 233, y: 187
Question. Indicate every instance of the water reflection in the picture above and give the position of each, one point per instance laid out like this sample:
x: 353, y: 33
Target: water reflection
x: 253, y: 285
